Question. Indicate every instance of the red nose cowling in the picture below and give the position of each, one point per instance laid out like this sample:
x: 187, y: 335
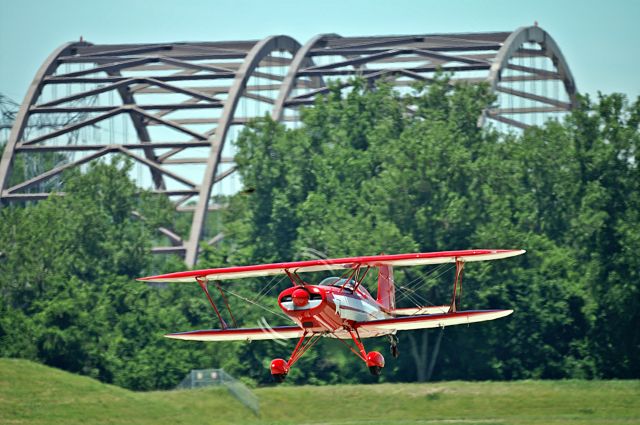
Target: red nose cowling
x: 300, y: 297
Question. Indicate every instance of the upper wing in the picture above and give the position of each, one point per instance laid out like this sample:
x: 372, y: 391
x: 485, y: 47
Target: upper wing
x: 416, y: 259
x: 240, y: 334
x: 430, y: 321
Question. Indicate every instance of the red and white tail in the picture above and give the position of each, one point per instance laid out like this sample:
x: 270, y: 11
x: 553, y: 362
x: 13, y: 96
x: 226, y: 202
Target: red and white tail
x: 386, y: 288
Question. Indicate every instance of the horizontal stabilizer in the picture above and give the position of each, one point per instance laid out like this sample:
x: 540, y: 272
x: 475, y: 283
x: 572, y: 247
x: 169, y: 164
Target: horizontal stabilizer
x: 240, y: 334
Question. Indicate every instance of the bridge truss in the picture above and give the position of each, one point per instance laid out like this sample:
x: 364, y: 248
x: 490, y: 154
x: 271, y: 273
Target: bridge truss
x: 175, y: 108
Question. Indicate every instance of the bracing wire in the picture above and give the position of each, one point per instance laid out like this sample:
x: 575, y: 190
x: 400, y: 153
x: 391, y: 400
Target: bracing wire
x: 414, y: 297
x: 410, y: 290
x: 272, y: 284
x: 254, y: 303
x: 411, y: 283
x: 421, y: 279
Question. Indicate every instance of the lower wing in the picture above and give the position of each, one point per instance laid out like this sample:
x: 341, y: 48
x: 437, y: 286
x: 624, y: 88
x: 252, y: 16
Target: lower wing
x: 240, y: 334
x: 430, y: 320
x: 367, y: 329
x: 414, y: 311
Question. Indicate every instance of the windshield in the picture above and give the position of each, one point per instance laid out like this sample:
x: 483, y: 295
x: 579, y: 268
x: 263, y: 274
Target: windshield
x: 336, y: 281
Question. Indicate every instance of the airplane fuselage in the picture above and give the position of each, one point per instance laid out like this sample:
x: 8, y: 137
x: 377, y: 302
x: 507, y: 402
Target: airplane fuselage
x: 324, y: 308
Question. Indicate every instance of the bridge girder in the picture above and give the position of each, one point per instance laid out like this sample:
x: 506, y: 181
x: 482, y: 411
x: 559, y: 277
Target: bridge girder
x: 198, y: 92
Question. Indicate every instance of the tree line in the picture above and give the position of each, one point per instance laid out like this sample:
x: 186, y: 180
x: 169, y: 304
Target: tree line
x: 368, y: 171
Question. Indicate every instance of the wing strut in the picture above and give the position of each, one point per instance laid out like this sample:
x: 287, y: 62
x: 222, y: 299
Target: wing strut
x: 233, y: 319
x: 359, y: 279
x: 203, y: 284
x: 295, y: 278
x: 457, y: 283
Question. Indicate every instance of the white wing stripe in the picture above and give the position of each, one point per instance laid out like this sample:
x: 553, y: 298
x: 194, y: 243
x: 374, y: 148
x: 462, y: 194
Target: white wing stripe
x: 434, y: 320
x: 243, y: 334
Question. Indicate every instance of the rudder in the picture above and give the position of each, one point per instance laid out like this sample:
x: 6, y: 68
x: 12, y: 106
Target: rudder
x: 386, y: 288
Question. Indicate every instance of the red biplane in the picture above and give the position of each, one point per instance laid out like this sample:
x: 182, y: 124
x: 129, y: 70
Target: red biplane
x: 341, y: 307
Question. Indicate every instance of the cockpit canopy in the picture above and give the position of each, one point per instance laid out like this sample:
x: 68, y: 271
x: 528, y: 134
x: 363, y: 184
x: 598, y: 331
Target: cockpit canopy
x: 336, y: 281
x: 348, y: 284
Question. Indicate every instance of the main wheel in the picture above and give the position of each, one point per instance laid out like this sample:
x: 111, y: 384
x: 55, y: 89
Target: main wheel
x: 375, y: 370
x: 279, y: 370
x: 279, y: 378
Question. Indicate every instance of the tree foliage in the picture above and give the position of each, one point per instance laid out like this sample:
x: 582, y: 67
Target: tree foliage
x: 69, y: 298
x: 363, y: 176
x: 369, y: 171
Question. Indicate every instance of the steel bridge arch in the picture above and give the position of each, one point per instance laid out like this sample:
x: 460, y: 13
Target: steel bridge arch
x: 257, y: 53
x: 300, y: 60
x: 196, y: 89
x: 549, y: 48
x: 46, y: 69
x: 538, y: 35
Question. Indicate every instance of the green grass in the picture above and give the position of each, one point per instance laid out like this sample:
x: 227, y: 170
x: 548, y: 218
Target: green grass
x: 34, y: 394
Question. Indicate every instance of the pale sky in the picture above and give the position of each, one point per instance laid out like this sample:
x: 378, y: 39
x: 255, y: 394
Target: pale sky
x: 600, y: 39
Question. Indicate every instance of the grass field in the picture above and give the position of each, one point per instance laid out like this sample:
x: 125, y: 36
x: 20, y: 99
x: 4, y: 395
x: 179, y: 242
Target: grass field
x: 34, y: 394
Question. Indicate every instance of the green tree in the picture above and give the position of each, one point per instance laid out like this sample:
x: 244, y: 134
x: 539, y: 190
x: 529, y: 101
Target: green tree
x: 69, y: 298
x: 362, y: 176
x: 369, y: 171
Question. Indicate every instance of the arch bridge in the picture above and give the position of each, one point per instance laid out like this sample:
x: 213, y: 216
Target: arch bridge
x: 175, y: 108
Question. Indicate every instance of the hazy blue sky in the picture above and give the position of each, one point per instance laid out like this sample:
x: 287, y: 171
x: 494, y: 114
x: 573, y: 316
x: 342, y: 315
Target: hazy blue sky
x: 599, y: 39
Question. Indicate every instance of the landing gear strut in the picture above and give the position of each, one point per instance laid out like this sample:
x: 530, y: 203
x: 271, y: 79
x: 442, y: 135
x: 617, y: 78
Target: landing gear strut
x: 280, y: 367
x: 393, y: 341
x: 373, y: 359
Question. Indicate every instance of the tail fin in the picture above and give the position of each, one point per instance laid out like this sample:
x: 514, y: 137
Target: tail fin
x: 386, y: 288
